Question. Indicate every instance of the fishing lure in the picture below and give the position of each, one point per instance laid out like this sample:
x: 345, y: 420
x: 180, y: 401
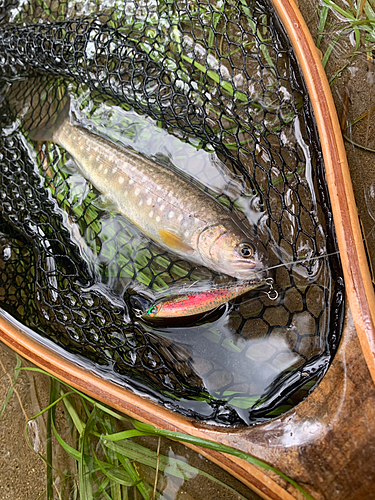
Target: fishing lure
x: 198, y: 302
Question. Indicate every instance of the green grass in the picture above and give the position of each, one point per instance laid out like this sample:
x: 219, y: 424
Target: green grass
x: 357, y: 20
x: 108, y: 460
x: 161, y: 35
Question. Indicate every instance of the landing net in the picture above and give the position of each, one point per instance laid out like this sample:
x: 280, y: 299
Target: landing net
x: 211, y: 89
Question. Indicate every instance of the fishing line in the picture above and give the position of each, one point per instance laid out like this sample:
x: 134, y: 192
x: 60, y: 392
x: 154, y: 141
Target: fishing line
x: 317, y: 257
x: 272, y: 293
x: 256, y: 131
x: 276, y: 294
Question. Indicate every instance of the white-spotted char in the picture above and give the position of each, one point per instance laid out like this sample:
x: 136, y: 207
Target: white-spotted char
x: 161, y: 203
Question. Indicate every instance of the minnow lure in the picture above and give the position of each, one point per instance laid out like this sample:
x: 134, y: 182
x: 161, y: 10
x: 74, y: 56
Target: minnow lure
x: 193, y: 303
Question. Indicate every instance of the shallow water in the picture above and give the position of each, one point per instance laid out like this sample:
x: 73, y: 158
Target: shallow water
x: 262, y: 339
x: 23, y: 471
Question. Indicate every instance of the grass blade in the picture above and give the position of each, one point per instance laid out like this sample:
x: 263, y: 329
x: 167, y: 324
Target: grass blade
x: 118, y: 476
x: 12, y: 384
x: 322, y: 23
x: 173, y: 466
x: 53, y: 395
x: 179, y: 436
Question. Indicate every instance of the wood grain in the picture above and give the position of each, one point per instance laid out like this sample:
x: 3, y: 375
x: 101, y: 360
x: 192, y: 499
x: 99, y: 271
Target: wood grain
x: 326, y: 443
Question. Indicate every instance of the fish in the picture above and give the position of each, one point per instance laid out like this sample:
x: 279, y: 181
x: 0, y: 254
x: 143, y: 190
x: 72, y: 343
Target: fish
x: 164, y: 205
x: 193, y: 303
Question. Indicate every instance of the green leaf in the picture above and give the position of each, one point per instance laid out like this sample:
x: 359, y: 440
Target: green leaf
x: 322, y: 22
x: 217, y: 447
x: 114, y: 474
x: 53, y: 395
x: 69, y: 449
x: 80, y: 426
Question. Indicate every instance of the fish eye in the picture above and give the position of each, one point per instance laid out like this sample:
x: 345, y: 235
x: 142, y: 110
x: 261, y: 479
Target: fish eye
x: 246, y: 250
x: 152, y: 311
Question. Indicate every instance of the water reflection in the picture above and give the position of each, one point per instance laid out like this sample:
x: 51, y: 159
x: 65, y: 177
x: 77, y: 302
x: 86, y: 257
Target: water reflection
x: 232, y: 357
x: 192, y: 481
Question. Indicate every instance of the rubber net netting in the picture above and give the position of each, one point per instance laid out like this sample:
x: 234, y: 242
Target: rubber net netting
x: 211, y: 89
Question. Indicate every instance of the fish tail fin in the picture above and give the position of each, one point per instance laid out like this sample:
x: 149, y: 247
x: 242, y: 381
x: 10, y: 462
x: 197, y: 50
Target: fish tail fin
x: 45, y: 130
x: 41, y: 104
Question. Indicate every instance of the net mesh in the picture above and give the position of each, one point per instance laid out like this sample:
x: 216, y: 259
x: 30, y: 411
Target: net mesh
x: 211, y: 89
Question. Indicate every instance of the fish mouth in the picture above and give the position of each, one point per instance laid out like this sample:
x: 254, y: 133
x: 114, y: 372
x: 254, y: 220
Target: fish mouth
x: 254, y: 269
x: 250, y: 274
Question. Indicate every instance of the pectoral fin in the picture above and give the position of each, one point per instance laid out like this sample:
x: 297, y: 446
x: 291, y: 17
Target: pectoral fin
x: 172, y: 241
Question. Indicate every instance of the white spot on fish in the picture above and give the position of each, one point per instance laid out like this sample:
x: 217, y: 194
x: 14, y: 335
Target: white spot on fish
x: 159, y: 200
x: 151, y: 213
x: 140, y: 203
x: 186, y: 234
x: 149, y: 201
x: 131, y: 182
x: 121, y: 180
x: 100, y: 168
x: 171, y: 214
x: 137, y: 191
x: 170, y: 193
x: 158, y: 188
x: 180, y: 217
x: 162, y: 207
x: 114, y: 170
x: 106, y: 171
x: 133, y: 168
x: 157, y: 218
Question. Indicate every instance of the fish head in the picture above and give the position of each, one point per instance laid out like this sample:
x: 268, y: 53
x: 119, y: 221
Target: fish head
x: 225, y: 247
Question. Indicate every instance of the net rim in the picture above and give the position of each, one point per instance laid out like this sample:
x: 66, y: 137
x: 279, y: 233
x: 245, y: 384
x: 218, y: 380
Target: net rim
x: 358, y: 283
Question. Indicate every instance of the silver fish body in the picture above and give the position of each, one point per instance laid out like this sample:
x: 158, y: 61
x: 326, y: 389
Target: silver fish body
x: 163, y: 204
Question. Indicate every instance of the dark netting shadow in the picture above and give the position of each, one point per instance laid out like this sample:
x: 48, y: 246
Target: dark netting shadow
x: 213, y: 90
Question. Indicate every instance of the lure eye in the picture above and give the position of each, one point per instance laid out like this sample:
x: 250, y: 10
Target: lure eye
x: 152, y: 311
x: 246, y: 250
